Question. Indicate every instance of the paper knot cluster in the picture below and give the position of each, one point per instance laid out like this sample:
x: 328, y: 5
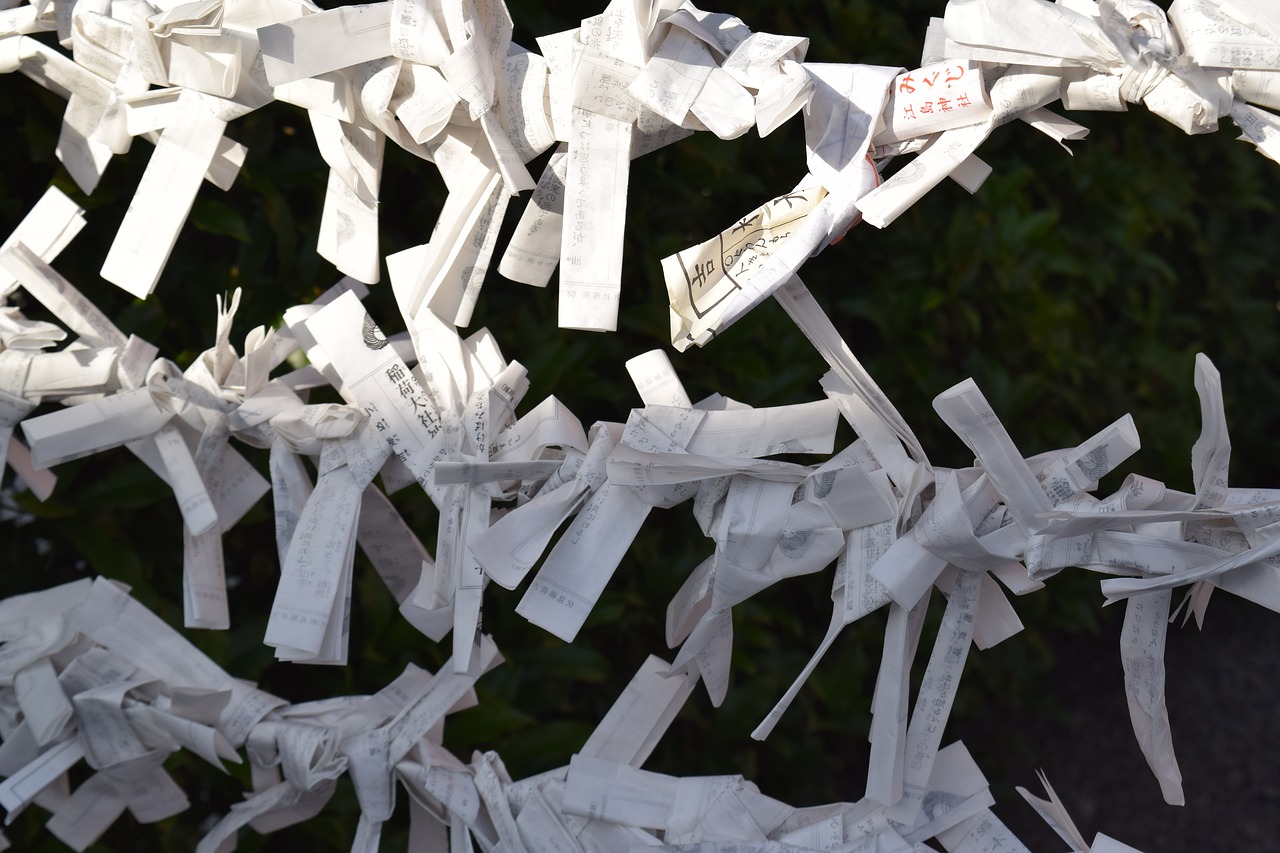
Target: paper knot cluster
x: 87, y: 673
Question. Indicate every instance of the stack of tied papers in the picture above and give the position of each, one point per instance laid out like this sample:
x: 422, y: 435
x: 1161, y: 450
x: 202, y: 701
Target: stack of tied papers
x: 526, y: 495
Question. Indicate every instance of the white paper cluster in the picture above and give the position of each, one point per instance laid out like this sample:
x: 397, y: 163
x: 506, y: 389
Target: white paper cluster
x: 92, y: 675
x: 430, y: 409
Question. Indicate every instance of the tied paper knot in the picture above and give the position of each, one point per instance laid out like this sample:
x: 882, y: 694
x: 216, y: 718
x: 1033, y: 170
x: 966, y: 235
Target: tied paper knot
x: 278, y: 414
x: 174, y: 393
x: 1129, y: 52
x: 1140, y: 28
x: 1159, y: 74
x: 964, y: 528
x: 1146, y: 41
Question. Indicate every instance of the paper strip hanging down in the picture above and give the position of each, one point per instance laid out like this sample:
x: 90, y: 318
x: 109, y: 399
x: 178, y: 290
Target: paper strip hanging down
x: 96, y: 676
